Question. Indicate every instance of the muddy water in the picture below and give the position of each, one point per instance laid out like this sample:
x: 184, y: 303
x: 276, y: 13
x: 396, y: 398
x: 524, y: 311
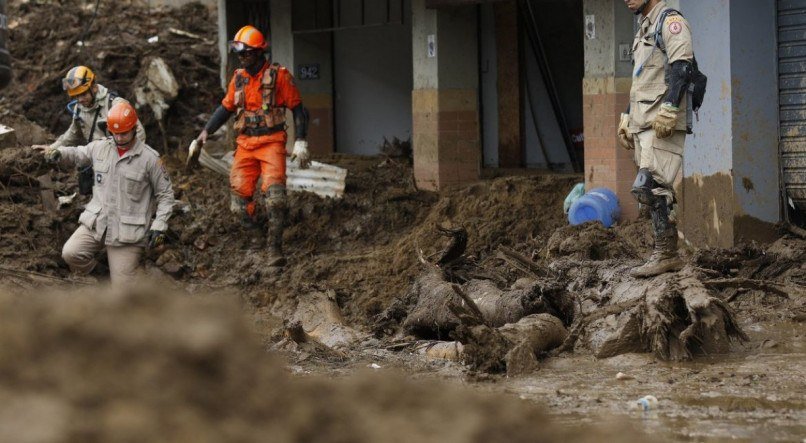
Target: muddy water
x: 758, y: 393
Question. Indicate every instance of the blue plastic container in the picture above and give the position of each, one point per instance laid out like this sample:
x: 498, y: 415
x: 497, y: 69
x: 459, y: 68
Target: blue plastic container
x: 599, y: 204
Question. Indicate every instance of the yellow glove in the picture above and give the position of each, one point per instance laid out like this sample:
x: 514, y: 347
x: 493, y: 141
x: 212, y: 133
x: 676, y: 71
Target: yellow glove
x: 624, y: 136
x: 665, y: 121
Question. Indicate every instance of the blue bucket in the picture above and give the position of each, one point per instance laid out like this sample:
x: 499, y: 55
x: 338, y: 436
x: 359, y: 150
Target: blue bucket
x: 599, y: 204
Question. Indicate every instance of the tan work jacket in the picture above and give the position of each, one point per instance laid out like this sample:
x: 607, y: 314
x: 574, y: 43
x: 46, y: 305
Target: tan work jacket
x: 648, y: 81
x: 79, y: 131
x: 127, y: 189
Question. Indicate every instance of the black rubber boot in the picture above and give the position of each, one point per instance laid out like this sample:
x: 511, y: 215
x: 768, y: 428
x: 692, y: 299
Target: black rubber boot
x: 277, y: 212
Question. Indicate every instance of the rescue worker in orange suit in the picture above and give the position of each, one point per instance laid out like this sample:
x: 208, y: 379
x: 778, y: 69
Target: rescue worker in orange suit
x: 259, y: 94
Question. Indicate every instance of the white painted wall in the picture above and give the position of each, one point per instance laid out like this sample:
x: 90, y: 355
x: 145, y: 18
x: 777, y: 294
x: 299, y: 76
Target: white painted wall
x: 373, y: 77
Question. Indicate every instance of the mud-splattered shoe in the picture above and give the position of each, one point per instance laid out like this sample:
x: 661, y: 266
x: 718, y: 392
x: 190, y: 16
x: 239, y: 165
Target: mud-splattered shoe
x: 659, y: 263
x: 275, y: 258
x: 663, y: 259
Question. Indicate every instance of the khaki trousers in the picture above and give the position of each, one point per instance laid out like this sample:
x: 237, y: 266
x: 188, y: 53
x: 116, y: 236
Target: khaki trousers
x: 81, y: 248
x: 662, y: 157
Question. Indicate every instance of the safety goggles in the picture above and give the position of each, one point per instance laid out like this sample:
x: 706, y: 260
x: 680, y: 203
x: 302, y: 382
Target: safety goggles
x: 240, y: 47
x: 74, y: 82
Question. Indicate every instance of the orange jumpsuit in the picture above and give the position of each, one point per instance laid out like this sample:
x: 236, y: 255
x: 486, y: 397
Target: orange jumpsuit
x: 260, y: 156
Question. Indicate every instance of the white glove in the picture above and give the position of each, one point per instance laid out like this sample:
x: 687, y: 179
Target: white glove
x: 301, y: 153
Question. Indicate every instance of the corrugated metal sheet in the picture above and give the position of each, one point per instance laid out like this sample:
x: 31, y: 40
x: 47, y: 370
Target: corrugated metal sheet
x: 792, y: 87
x: 320, y: 178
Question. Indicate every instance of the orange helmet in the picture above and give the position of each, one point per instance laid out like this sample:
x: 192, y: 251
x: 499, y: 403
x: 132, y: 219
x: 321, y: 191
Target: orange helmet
x: 121, y: 118
x: 247, y: 38
x: 78, y: 80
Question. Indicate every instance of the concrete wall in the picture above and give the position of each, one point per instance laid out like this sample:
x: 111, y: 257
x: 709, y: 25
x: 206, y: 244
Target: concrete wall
x: 755, y: 116
x: 731, y: 162
x: 708, y: 156
x: 373, y: 75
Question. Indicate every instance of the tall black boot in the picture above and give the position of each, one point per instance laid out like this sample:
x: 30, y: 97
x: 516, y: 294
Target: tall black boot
x: 253, y: 228
x: 277, y: 210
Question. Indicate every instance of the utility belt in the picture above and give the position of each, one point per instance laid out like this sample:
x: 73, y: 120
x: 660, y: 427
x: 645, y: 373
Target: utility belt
x: 263, y: 122
x: 263, y: 130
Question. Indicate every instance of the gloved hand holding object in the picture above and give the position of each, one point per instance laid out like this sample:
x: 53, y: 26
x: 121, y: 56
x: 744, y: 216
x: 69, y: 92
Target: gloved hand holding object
x: 301, y: 153
x: 52, y: 155
x: 624, y: 137
x: 194, y: 150
x: 665, y: 121
x: 155, y: 238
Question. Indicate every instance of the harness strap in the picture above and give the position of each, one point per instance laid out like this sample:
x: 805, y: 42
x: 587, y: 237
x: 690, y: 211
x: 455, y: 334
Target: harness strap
x: 657, y: 36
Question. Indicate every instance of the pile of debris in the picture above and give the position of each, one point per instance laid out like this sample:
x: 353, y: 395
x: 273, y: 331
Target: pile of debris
x: 119, y: 41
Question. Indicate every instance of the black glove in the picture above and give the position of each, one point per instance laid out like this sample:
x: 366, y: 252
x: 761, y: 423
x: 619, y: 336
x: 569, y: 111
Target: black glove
x: 155, y: 238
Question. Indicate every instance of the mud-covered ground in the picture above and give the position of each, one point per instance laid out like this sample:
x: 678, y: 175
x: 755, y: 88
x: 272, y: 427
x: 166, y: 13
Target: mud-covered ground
x: 362, y: 251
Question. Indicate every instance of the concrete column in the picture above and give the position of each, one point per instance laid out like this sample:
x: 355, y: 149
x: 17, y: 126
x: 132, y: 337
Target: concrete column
x: 510, y: 147
x: 222, y: 42
x: 605, y: 95
x: 446, y: 138
x: 281, y: 39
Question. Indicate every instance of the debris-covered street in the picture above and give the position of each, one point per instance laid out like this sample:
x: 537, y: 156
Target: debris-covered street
x: 473, y: 312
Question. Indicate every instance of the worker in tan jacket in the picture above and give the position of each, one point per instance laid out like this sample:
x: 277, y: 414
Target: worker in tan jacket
x: 129, y: 182
x: 657, y: 122
x: 88, y: 109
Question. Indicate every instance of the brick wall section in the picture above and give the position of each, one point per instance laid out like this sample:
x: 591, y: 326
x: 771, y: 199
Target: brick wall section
x: 425, y: 137
x: 607, y: 164
x: 446, y: 137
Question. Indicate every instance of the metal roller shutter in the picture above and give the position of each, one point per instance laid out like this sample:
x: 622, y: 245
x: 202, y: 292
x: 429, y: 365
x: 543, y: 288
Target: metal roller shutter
x: 792, y: 102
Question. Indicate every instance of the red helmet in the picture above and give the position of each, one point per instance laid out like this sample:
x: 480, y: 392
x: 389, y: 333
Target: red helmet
x: 247, y: 38
x: 122, y: 118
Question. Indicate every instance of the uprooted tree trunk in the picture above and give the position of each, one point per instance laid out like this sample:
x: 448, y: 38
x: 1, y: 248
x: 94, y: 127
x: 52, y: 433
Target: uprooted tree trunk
x: 671, y: 315
x: 707, y: 323
x: 431, y: 316
x: 513, y: 348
